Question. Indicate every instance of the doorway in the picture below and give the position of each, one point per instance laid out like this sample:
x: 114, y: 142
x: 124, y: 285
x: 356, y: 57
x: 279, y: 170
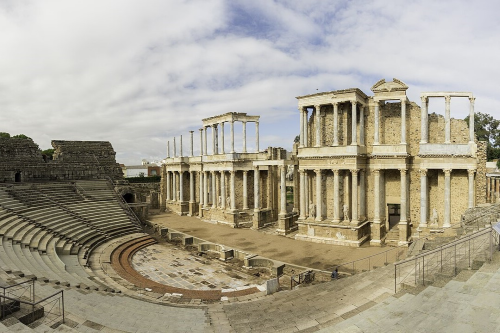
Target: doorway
x: 17, y: 177
x: 393, y: 214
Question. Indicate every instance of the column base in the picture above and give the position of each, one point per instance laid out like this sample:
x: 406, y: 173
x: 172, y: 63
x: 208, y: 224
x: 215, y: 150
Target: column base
x: 192, y: 209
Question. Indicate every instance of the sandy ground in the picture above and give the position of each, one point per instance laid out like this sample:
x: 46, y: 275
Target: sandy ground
x: 286, y: 249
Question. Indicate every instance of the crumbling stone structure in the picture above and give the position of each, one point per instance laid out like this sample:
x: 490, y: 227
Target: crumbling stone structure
x: 22, y: 160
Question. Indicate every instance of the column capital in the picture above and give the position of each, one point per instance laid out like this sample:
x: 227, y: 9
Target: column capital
x: 423, y: 172
x: 423, y: 99
x: 471, y: 172
x: 222, y: 171
x: 256, y: 167
x: 447, y: 98
x: 376, y: 171
x: 472, y: 99
x: 232, y: 171
x: 354, y: 171
x: 317, y: 171
x: 403, y: 100
x: 301, y: 171
x: 317, y: 107
x: 354, y: 103
x: 403, y: 171
x: 447, y: 172
x: 335, y: 171
x: 245, y: 172
x: 335, y: 103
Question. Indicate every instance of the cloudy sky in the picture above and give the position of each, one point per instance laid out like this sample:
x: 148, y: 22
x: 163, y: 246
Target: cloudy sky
x: 138, y: 73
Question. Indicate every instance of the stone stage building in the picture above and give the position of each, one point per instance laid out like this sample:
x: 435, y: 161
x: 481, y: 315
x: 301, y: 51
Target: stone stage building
x: 367, y: 168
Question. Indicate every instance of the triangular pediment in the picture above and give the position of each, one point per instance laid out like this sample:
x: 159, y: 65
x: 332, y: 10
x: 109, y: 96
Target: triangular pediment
x: 395, y: 85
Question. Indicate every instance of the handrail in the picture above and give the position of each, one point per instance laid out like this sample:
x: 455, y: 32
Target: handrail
x: 33, y: 304
x: 123, y: 203
x: 369, y: 257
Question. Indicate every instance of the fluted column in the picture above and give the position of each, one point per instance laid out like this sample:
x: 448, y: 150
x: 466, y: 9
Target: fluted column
x: 376, y: 124
x: 302, y: 212
x: 283, y: 189
x: 180, y: 148
x: 175, y: 148
x: 244, y: 123
x: 192, y: 144
x: 335, y: 124
x: 471, y: 120
x: 168, y: 185
x: 168, y: 149
x: 205, y: 189
x: 191, y: 186
x: 362, y: 195
x: 471, y: 187
x: 174, y: 186
x: 205, y: 141
x: 223, y: 189
x: 423, y: 198
x: 319, y: 196
x: 200, y: 180
x: 232, y: 136
x: 232, y: 189
x: 201, y: 141
x: 404, y: 191
x: 447, y: 124
x: 376, y: 196
x: 424, y: 134
x: 403, y: 121
x: 354, y: 134
x: 214, y: 191
x: 447, y: 198
x: 306, y: 131
x: 181, y: 186
x: 245, y: 189
x: 354, y: 196
x: 362, y: 125
x: 256, y: 188
x: 301, y: 141
x: 336, y: 196
x: 257, y: 137
x: 317, y: 118
x: 213, y: 139
x: 306, y: 182
x: 221, y: 125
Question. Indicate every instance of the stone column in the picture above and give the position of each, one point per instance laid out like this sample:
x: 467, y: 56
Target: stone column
x: 317, y: 118
x: 175, y: 149
x: 301, y: 130
x: 256, y: 136
x: 423, y: 198
x: 362, y: 125
x: 306, y: 131
x: 244, y: 123
x: 354, y: 134
x: 232, y: 189
x: 245, y: 189
x: 213, y: 140
x: 213, y: 192
x: 221, y: 125
x: 403, y: 121
x: 181, y: 186
x: 191, y: 186
x: 180, y: 148
x: 404, y: 191
x: 447, y: 198
x: 319, y: 196
x: 168, y: 149
x: 354, y: 196
x: 200, y: 180
x: 205, y: 141
x: 376, y: 124
x: 174, y: 186
x: 283, y: 189
x: 306, y: 181
x: 335, y: 124
x: 424, y: 135
x: 201, y: 141
x: 223, y: 189
x: 362, y: 195
x: 488, y: 190
x: 471, y: 120
x: 471, y: 187
x: 205, y: 189
x: 447, y: 124
x: 168, y: 185
x: 232, y: 136
x: 376, y: 196
x: 192, y: 144
x: 336, y: 196
x: 256, y: 188
x: 302, y: 213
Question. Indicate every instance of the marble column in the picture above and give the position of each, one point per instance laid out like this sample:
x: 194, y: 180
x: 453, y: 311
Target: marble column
x: 181, y: 186
x: 205, y: 141
x: 447, y: 124
x: 168, y: 149
x: 223, y: 189
x: 404, y: 191
x: 232, y: 191
x: 424, y: 130
x: 336, y: 196
x: 168, y: 185
x: 244, y: 123
x: 283, y: 189
x: 376, y: 124
x: 471, y: 119
x: 201, y: 141
x: 306, y: 181
x: 471, y: 188
x: 175, y: 149
x: 447, y: 198
x: 191, y: 186
x: 301, y: 141
x: 200, y: 180
x: 192, y: 144
x: 423, y: 198
x: 213, y: 140
x: 205, y: 189
x: 174, y: 186
x: 181, y: 154
x: 354, y: 134
x: 319, y: 196
x: 317, y: 118
x: 214, y: 191
x: 256, y: 188
x: 376, y: 196
x: 232, y: 136
x: 245, y: 189
x: 221, y: 125
x: 362, y: 125
x: 354, y: 196
x: 257, y: 137
x: 362, y: 195
x: 335, y: 124
x: 403, y: 121
x: 306, y: 131
x: 302, y: 212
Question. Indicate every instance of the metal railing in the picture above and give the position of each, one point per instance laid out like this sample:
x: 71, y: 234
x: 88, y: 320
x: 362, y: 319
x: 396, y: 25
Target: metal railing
x: 373, y: 261
x: 304, y: 277
x: 447, y: 260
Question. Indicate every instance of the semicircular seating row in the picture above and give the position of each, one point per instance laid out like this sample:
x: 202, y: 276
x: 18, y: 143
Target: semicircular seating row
x: 46, y: 229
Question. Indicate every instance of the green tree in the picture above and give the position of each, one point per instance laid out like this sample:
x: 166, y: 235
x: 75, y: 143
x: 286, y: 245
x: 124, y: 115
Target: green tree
x: 4, y: 135
x: 21, y: 136
x: 487, y: 129
x: 49, y: 153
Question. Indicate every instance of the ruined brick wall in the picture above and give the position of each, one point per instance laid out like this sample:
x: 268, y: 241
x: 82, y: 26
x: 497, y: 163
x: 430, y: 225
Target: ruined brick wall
x: 459, y: 129
x: 481, y: 173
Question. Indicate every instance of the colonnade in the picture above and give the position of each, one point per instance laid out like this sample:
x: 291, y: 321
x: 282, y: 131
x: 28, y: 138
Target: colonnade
x: 317, y: 142
x: 493, y: 189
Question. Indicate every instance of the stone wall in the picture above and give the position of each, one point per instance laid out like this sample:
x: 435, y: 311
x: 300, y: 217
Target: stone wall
x: 481, y: 173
